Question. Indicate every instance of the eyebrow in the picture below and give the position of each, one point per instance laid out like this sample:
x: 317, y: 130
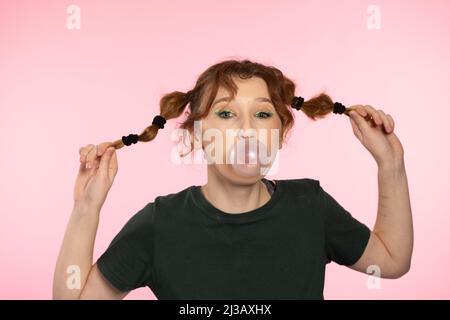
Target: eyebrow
x: 259, y: 99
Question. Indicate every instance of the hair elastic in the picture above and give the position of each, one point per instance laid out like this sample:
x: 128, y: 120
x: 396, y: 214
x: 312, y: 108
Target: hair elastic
x: 339, y: 108
x: 297, y: 102
x: 134, y: 138
x: 130, y: 139
x: 159, y: 121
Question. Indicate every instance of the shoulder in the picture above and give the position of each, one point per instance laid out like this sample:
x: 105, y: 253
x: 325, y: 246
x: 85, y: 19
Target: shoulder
x: 140, y: 227
x: 165, y: 201
x: 172, y: 200
x: 301, y: 186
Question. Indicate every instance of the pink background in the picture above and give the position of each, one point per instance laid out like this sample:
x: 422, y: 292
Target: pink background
x: 61, y: 89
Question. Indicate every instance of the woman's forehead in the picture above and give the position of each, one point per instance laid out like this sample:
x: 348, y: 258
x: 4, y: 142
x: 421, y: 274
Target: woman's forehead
x: 244, y: 94
x: 251, y: 86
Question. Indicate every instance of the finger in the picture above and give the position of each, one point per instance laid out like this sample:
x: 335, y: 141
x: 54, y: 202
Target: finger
x: 102, y: 148
x: 356, y: 131
x: 113, y: 167
x: 361, y: 123
x: 391, y: 121
x: 82, y: 168
x: 360, y: 109
x: 95, y: 163
x: 84, y: 172
x: 90, y: 157
x: 105, y: 161
x: 375, y: 115
x: 84, y: 151
x: 386, y: 122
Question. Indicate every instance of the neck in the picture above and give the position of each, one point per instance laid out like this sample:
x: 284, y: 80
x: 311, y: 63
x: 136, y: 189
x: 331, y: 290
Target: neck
x: 232, y: 197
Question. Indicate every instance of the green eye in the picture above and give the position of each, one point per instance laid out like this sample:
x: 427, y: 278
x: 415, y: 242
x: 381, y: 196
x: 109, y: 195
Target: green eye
x: 264, y: 114
x: 221, y: 113
x: 226, y: 114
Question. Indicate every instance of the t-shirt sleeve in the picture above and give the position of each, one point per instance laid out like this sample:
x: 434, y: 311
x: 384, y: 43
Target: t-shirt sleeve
x: 126, y: 263
x: 345, y: 237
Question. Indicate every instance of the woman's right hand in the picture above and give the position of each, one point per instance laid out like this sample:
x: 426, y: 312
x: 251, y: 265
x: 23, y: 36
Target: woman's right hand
x: 98, y: 167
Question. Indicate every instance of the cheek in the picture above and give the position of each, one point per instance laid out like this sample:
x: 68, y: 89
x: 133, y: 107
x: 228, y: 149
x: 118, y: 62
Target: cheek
x: 272, y: 137
x: 215, y: 145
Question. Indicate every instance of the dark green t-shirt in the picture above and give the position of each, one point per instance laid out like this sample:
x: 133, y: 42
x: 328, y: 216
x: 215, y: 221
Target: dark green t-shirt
x: 182, y: 247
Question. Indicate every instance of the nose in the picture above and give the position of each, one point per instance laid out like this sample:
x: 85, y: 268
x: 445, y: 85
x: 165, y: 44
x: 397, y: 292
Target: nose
x: 246, y: 133
x: 247, y: 130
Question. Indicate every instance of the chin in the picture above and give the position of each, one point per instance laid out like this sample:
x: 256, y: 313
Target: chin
x: 226, y: 171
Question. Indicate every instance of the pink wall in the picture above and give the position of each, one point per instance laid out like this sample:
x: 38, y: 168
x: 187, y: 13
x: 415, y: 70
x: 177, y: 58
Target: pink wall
x: 61, y: 89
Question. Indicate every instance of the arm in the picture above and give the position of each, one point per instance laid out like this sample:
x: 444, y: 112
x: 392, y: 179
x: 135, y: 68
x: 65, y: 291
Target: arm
x: 391, y: 242
x: 77, y: 249
x: 97, y: 287
x: 91, y: 187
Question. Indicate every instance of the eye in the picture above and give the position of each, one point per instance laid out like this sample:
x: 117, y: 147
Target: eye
x: 223, y: 114
x: 264, y: 115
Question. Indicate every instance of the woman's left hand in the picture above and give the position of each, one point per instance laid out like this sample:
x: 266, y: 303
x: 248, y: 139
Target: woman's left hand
x: 375, y: 130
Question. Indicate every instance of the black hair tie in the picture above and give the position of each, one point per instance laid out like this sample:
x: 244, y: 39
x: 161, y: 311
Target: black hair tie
x: 297, y: 102
x: 339, y: 108
x: 159, y: 121
x: 130, y: 139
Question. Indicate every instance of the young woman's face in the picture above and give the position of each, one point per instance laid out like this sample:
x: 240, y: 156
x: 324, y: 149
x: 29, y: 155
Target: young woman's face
x: 239, y: 125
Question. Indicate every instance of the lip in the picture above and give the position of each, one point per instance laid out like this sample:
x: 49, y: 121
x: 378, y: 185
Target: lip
x: 247, y: 165
x: 244, y: 153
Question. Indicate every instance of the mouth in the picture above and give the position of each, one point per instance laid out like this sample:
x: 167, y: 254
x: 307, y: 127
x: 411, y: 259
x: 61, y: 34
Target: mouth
x: 247, y: 151
x: 247, y: 154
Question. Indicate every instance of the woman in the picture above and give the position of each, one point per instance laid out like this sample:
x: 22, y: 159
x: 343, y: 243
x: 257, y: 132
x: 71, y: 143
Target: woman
x: 239, y: 236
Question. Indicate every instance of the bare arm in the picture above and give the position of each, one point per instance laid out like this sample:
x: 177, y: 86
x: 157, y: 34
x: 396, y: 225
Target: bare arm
x: 99, y: 288
x: 77, y: 250
x: 391, y: 242
x: 75, y: 277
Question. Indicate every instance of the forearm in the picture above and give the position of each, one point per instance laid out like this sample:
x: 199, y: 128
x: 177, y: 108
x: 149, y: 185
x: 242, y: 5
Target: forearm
x: 76, y: 250
x: 394, y: 224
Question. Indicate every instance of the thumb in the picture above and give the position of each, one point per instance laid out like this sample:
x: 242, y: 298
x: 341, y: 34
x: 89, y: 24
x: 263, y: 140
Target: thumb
x: 355, y: 129
x: 105, y: 161
x: 361, y: 123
